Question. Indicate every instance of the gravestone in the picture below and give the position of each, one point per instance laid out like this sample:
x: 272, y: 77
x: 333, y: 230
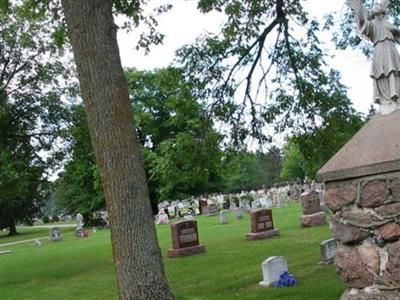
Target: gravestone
x: 328, y: 250
x: 272, y: 268
x: 239, y: 214
x: 55, y: 234
x: 246, y: 205
x: 256, y: 204
x: 82, y: 233
x: 185, y: 239
x: 188, y: 217
x: 203, y: 207
x: 212, y: 210
x: 223, y: 219
x: 262, y: 225
x: 227, y: 203
x: 313, y: 214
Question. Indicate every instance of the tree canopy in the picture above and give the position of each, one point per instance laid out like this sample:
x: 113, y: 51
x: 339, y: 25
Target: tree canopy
x: 31, y: 115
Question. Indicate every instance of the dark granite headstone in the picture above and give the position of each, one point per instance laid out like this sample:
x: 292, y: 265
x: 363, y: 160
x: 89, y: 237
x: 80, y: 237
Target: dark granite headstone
x: 262, y: 225
x: 185, y: 239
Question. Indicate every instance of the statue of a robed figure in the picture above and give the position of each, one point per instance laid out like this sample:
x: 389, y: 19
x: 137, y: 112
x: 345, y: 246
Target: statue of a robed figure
x: 385, y: 70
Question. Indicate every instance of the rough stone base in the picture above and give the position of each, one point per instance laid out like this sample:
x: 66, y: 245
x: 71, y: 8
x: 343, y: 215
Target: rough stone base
x: 262, y: 235
x: 370, y: 293
x: 186, y: 251
x: 313, y: 220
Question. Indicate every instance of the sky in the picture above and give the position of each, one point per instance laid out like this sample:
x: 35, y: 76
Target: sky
x: 184, y: 23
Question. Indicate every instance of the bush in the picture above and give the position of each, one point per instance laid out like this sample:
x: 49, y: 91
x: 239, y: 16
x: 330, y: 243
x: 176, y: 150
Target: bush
x: 55, y: 218
x: 46, y: 219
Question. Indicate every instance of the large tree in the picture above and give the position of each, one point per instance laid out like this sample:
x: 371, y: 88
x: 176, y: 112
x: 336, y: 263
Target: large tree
x: 31, y: 114
x: 253, y: 171
x: 136, y: 253
x: 182, y: 149
x: 268, y: 62
x: 180, y: 146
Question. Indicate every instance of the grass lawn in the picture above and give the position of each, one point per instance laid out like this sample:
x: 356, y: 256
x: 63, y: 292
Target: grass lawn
x: 230, y: 268
x: 28, y: 233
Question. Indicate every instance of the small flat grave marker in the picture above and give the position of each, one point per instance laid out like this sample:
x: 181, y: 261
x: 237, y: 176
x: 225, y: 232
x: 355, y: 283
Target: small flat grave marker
x: 328, y: 250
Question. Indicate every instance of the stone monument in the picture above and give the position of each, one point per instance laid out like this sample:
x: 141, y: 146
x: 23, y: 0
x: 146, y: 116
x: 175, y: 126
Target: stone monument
x: 262, y: 225
x: 363, y: 179
x: 313, y: 214
x: 55, y: 234
x: 185, y: 239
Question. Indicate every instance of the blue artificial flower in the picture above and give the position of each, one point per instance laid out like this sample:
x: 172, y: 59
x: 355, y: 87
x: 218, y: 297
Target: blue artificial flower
x: 286, y: 279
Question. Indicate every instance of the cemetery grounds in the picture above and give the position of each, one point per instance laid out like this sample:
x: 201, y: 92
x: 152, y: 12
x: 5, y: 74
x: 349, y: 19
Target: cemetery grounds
x: 230, y: 269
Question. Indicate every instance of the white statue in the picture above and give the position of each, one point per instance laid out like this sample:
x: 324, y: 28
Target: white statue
x: 79, y: 220
x: 386, y: 60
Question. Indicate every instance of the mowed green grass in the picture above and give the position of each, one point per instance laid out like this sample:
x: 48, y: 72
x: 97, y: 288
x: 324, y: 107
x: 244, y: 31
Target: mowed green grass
x: 28, y: 233
x: 230, y: 268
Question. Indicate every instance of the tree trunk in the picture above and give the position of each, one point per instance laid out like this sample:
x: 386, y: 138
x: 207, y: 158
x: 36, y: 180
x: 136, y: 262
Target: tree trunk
x: 12, y: 228
x: 136, y: 253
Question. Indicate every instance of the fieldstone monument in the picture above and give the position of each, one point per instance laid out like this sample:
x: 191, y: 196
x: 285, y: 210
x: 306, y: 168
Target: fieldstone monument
x: 55, y: 234
x: 262, y: 225
x: 272, y: 269
x: 223, y: 218
x: 185, y: 239
x: 328, y: 250
x: 363, y: 179
x: 313, y: 214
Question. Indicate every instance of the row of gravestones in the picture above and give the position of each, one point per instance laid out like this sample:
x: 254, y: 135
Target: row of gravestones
x: 80, y: 232
x: 55, y: 234
x: 185, y: 237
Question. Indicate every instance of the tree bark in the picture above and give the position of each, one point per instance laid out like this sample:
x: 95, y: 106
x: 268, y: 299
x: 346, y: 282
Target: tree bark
x: 137, y: 256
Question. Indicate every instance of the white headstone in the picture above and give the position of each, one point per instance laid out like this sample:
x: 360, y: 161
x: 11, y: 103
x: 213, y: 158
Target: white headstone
x: 222, y: 217
x: 272, y: 269
x: 188, y: 217
x: 239, y: 214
